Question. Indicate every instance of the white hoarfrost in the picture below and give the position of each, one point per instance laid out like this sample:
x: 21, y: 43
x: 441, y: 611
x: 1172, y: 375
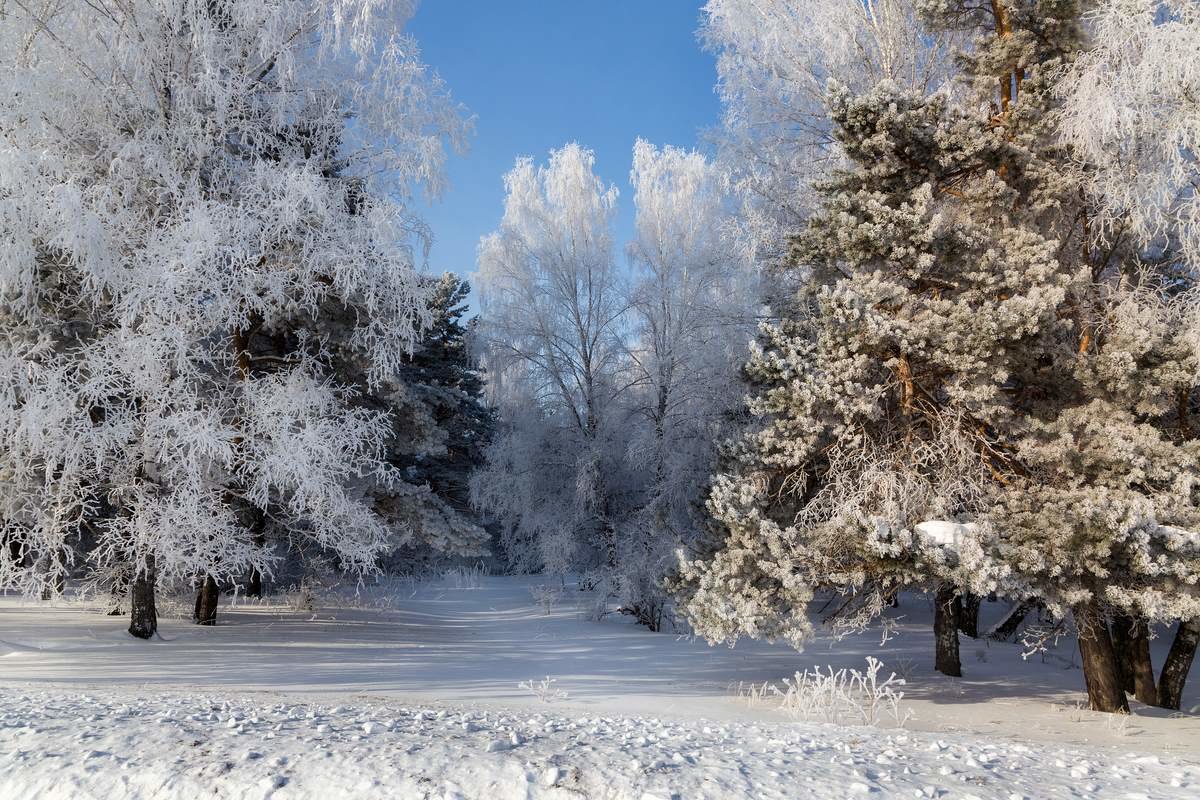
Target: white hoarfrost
x: 774, y: 61
x: 1130, y: 110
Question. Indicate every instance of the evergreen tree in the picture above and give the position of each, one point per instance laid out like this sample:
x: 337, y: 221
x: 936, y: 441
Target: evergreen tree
x: 452, y: 382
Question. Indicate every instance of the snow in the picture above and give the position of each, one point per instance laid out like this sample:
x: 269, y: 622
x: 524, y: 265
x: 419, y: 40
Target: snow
x: 1179, y: 537
x: 117, y: 744
x: 412, y: 691
x: 947, y: 534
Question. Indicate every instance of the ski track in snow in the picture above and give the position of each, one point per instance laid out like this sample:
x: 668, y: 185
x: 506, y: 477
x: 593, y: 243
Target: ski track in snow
x: 113, y: 745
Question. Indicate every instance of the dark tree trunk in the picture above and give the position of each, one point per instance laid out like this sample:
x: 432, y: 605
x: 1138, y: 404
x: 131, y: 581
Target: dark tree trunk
x: 206, y: 602
x: 1179, y: 662
x: 968, y: 620
x: 1006, y: 629
x: 1100, y: 670
x: 945, y: 631
x: 1143, y: 668
x: 1123, y: 650
x: 1131, y: 643
x: 254, y: 583
x: 143, y: 619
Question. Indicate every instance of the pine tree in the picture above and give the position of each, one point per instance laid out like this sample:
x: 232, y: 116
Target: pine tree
x: 448, y: 373
x: 880, y: 391
x: 441, y: 428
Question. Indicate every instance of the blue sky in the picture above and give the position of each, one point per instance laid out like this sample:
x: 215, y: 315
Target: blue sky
x: 540, y: 73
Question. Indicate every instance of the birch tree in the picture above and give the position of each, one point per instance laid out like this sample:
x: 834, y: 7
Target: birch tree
x: 552, y: 306
x: 691, y: 308
x: 774, y: 60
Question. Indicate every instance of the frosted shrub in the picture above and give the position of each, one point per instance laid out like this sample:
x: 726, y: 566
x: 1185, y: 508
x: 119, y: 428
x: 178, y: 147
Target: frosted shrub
x: 905, y: 667
x: 546, y: 596
x: 543, y: 690
x: 844, y: 696
x: 592, y: 607
x: 305, y: 599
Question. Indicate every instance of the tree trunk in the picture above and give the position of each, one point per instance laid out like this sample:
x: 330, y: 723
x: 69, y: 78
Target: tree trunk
x: 143, y: 619
x: 206, y: 602
x: 1131, y: 643
x: 968, y: 620
x: 1143, y: 668
x: 1006, y: 629
x: 945, y: 631
x: 1100, y: 670
x: 1179, y: 662
x: 254, y: 583
x: 1122, y: 641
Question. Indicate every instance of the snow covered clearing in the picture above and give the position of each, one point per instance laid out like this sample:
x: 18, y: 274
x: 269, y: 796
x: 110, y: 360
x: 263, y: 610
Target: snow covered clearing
x: 412, y: 690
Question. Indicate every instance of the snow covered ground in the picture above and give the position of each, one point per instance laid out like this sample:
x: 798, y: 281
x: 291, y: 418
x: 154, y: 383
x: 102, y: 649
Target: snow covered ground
x: 180, y: 745
x: 412, y: 691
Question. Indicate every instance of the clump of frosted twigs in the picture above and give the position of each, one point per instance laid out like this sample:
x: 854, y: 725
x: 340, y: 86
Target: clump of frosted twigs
x: 543, y: 690
x: 844, y: 696
x: 546, y: 596
x: 1037, y: 639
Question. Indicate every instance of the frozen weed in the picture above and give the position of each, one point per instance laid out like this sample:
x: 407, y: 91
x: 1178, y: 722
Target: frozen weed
x: 543, y: 690
x: 465, y: 577
x: 846, y: 696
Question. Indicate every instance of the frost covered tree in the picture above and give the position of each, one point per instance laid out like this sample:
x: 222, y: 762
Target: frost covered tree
x: 1130, y: 117
x: 1130, y: 111
x: 774, y: 59
x: 442, y: 426
x: 690, y: 307
x: 978, y: 388
x: 552, y: 305
x: 180, y: 177
x: 878, y: 393
x: 612, y: 483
